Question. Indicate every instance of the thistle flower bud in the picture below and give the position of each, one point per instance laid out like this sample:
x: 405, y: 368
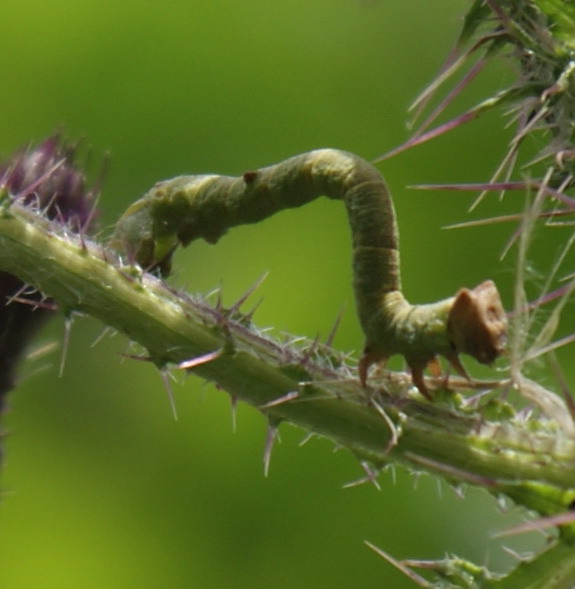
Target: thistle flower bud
x: 47, y: 179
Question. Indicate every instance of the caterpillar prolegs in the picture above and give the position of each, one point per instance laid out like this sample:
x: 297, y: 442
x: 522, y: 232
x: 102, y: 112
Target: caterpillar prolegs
x: 186, y: 208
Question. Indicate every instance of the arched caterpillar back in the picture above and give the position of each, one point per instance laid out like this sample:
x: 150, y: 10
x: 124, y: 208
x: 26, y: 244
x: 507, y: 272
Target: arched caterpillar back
x: 186, y: 208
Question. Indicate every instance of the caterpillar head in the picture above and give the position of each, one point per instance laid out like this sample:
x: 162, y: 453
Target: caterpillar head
x: 148, y: 234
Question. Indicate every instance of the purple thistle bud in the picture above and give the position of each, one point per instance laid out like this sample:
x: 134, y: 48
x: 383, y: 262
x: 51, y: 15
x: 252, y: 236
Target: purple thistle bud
x: 44, y: 178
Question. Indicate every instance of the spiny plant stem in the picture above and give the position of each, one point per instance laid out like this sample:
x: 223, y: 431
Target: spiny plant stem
x: 525, y: 460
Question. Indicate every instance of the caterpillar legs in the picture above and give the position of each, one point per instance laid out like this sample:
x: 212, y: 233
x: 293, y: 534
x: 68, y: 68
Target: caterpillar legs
x: 473, y: 322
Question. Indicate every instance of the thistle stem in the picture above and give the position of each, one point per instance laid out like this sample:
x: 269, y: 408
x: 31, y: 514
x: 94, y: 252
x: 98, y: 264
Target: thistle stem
x: 526, y: 461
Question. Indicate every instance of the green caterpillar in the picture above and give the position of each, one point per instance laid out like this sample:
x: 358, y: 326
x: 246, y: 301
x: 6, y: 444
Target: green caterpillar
x: 186, y: 208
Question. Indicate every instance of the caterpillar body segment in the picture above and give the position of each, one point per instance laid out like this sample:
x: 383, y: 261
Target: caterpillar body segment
x: 186, y: 208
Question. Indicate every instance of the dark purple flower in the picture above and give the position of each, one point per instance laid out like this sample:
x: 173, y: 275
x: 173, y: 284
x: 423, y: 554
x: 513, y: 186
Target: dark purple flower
x: 47, y: 179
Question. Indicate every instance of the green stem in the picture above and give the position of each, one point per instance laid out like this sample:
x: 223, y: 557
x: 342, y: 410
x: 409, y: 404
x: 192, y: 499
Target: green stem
x: 85, y: 277
x: 529, y: 461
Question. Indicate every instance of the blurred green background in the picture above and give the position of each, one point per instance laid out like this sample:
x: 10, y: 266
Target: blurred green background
x: 101, y: 487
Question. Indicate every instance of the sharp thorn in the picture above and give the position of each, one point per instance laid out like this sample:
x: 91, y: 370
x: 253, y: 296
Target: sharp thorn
x: 310, y: 350
x: 40, y: 351
x: 200, y: 360
x: 103, y: 333
x: 280, y: 400
x: 371, y: 474
x: 401, y: 566
x: 271, y: 437
x: 44, y: 304
x: 370, y: 478
x: 250, y: 314
x: 67, y: 331
x: 17, y: 296
x: 394, y: 437
x: 309, y: 436
x: 538, y: 525
x: 219, y: 306
x: 515, y: 554
x: 236, y: 306
x: 335, y: 327
x: 165, y: 374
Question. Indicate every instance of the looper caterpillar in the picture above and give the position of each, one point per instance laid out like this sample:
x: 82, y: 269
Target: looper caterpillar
x: 186, y: 208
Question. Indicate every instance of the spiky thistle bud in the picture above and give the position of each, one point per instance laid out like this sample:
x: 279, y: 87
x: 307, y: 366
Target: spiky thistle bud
x: 47, y: 179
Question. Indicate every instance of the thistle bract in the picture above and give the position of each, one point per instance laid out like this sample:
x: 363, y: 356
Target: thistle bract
x: 47, y: 179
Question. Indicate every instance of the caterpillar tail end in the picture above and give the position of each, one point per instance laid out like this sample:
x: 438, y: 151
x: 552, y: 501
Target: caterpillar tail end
x: 477, y: 323
x: 136, y: 236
